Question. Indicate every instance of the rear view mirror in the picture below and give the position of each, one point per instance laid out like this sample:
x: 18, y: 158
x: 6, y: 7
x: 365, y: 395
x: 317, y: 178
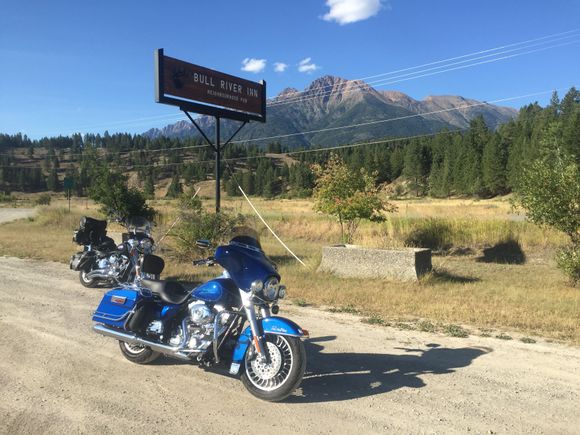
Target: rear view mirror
x: 202, y: 243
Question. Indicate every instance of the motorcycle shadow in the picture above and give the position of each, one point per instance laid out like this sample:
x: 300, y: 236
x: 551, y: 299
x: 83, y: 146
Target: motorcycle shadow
x: 345, y: 376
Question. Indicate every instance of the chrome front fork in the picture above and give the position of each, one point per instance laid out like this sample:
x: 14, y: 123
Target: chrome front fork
x: 257, y: 333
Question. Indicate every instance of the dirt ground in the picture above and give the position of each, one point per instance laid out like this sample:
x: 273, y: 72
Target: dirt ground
x: 11, y: 214
x: 57, y: 376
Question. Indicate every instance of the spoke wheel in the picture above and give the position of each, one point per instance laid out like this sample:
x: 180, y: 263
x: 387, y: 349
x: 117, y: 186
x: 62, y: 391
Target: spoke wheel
x: 134, y: 349
x: 137, y: 353
x: 278, y: 379
x: 85, y: 281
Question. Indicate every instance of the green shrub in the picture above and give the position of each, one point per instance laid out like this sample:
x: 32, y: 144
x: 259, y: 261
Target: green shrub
x: 5, y: 197
x: 455, y: 331
x: 432, y: 233
x: 43, y: 199
x: 568, y: 259
x: 109, y: 188
x: 195, y: 223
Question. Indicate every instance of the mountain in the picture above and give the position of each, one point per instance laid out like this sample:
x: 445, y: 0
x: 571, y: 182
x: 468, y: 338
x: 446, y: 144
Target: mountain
x: 332, y: 111
x: 445, y: 106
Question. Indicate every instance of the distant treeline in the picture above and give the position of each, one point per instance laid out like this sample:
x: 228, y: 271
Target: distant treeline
x: 474, y: 162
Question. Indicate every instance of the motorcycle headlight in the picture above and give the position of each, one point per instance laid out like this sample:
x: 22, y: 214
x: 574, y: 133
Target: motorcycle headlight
x: 146, y: 244
x: 256, y: 286
x: 281, y: 292
x: 271, y: 289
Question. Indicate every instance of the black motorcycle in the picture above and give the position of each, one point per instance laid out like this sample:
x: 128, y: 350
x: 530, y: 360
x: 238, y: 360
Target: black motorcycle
x: 102, y: 261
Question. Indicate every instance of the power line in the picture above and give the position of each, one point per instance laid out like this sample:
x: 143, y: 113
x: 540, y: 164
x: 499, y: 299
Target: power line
x: 572, y: 32
x: 273, y: 103
x: 136, y: 150
x: 364, y: 87
x: 423, y: 114
x: 467, y: 106
x: 397, y: 118
x: 337, y: 147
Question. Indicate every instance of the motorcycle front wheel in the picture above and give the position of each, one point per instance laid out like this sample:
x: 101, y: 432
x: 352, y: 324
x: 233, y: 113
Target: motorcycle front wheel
x: 278, y: 379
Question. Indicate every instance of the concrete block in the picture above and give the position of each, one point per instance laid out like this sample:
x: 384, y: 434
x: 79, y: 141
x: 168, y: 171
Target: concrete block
x: 351, y: 261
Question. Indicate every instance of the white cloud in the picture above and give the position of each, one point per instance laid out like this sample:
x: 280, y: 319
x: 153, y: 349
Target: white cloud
x: 253, y: 65
x: 351, y: 11
x: 280, y: 66
x: 307, y: 66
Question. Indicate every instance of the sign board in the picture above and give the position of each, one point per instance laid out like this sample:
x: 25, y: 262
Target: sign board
x: 202, y: 90
x: 68, y: 183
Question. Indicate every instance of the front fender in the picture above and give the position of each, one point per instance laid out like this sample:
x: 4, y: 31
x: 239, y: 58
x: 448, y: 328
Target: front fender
x: 269, y: 325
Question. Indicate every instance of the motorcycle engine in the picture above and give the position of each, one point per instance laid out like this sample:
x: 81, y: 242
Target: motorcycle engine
x: 200, y: 326
x: 113, y: 264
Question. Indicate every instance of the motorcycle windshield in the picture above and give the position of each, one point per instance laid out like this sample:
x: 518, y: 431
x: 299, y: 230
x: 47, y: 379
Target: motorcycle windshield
x: 244, y: 259
x: 138, y: 224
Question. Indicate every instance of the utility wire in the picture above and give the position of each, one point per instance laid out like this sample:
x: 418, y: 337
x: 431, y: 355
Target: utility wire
x: 232, y: 173
x: 134, y: 150
x: 365, y: 87
x: 572, y: 32
x: 423, y: 114
x: 358, y: 87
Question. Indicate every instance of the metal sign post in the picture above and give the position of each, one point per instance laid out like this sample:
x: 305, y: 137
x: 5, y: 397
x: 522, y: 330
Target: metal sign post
x: 197, y: 89
x: 68, y: 184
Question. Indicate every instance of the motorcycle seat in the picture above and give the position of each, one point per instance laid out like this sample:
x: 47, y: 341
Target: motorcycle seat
x: 170, y: 291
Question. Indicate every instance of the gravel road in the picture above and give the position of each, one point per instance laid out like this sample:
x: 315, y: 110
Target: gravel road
x: 57, y: 376
x: 11, y: 214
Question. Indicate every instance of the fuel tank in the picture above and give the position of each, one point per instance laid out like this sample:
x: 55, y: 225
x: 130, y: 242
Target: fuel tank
x: 216, y: 290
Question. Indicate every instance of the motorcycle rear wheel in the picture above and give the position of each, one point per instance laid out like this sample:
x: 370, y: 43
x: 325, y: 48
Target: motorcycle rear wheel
x: 275, y: 381
x: 86, y: 282
x: 138, y: 354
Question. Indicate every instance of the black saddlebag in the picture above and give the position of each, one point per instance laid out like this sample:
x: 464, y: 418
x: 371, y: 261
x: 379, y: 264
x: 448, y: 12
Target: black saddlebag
x: 91, y: 231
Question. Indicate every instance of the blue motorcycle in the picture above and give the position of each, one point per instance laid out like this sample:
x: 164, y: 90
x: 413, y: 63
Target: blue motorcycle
x: 207, y: 325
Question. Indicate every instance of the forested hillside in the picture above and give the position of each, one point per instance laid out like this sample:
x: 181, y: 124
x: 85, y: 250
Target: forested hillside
x: 477, y: 161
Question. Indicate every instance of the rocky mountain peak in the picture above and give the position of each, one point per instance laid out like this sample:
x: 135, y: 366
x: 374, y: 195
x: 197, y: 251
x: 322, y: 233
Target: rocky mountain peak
x: 335, y: 101
x: 397, y: 96
x: 336, y: 90
x: 286, y: 93
x: 326, y: 82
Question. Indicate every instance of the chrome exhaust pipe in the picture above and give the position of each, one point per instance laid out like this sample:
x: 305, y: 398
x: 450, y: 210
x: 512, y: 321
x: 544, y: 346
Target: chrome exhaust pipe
x: 133, y: 339
x: 98, y: 273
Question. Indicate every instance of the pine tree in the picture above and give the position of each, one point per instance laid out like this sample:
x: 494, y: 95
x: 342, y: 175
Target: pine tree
x: 175, y: 189
x: 268, y: 188
x: 397, y: 162
x: 414, y: 169
x: 248, y: 183
x: 231, y: 187
x: 149, y: 186
x: 52, y: 182
x: 494, y: 167
x: 571, y: 135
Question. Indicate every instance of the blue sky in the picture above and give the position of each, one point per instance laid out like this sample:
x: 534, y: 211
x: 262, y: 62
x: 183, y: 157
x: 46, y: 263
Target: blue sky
x: 88, y: 66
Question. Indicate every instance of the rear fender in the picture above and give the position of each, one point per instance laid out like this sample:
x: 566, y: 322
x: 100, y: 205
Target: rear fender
x: 269, y: 325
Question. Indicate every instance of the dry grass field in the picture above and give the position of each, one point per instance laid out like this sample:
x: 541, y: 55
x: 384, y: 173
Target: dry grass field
x: 463, y: 295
